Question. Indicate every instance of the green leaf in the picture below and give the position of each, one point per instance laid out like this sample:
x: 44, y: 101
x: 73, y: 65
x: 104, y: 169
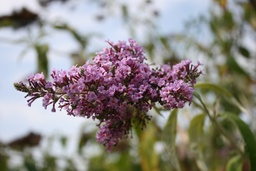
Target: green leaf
x: 235, y: 67
x: 164, y: 41
x: 169, y: 137
x: 195, y: 94
x: 223, y: 92
x: 150, y: 50
x: 83, y: 139
x: 124, y: 162
x: 125, y: 12
x: 147, y: 139
x: 24, y: 52
x: 42, y: 60
x: 248, y: 136
x: 81, y: 39
x: 63, y: 141
x: 234, y: 164
x: 214, y: 87
x: 243, y: 51
x: 195, y: 129
x: 29, y: 162
x: 4, y: 158
x: 157, y: 110
x: 195, y: 132
x: 77, y: 36
x: 50, y: 162
x: 94, y: 161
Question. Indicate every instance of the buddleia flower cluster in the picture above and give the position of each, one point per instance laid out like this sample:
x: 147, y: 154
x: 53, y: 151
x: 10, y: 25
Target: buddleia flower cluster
x: 117, y: 88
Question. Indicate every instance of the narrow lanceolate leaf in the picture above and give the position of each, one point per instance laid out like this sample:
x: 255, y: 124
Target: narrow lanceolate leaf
x: 195, y: 132
x: 169, y: 137
x: 248, y: 136
x: 147, y: 139
x: 243, y: 51
x: 164, y: 41
x: 77, y: 36
x: 214, y: 87
x: 42, y: 60
x: 222, y: 91
x: 234, y: 164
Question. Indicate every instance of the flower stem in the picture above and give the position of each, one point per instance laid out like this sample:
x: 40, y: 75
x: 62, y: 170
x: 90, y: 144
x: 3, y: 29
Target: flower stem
x: 218, y: 126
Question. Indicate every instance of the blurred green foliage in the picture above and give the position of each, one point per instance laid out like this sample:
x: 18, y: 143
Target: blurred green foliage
x: 215, y: 137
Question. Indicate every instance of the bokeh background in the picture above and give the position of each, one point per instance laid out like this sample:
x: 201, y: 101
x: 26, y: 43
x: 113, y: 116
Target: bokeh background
x: 37, y: 36
x: 19, y: 58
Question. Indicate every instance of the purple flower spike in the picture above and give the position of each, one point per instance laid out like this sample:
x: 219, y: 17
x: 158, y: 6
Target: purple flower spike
x: 117, y: 88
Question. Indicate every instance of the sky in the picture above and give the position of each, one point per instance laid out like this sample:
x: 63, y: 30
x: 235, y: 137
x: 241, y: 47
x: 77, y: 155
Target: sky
x: 16, y: 118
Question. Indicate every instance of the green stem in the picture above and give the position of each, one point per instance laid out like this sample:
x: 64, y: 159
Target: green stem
x: 157, y: 110
x: 218, y: 126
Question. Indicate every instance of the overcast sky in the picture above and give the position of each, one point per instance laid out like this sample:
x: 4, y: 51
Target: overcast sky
x: 16, y: 118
